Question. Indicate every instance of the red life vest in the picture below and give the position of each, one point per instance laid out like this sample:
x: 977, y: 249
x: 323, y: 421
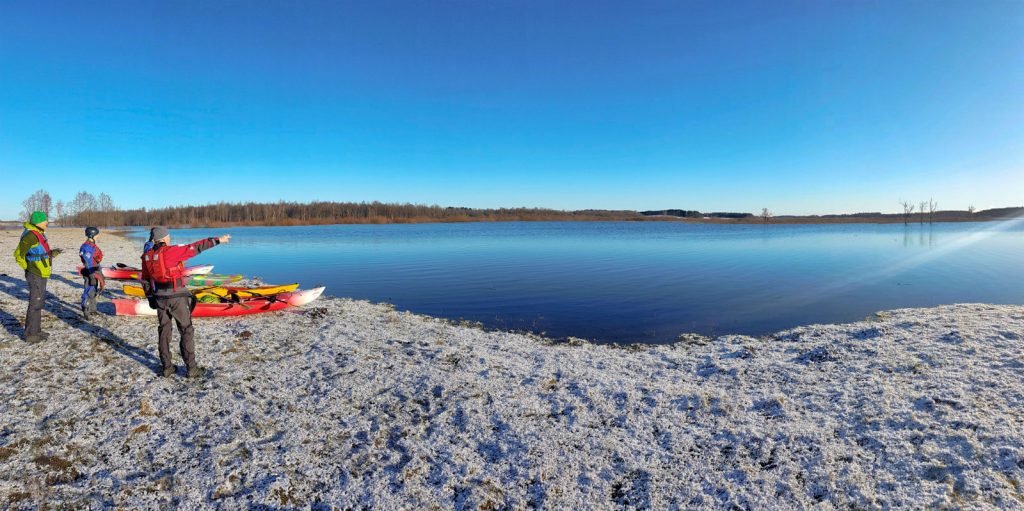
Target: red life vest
x: 97, y: 254
x: 158, y: 270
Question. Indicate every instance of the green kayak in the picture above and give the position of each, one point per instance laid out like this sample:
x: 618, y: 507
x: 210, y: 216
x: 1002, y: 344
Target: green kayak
x: 212, y: 280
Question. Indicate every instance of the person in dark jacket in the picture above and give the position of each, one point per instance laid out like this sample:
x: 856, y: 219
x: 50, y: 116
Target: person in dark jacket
x: 33, y: 254
x: 92, y: 273
x: 164, y: 280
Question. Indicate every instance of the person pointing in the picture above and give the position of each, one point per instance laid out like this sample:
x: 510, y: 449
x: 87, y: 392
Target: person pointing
x: 163, y: 278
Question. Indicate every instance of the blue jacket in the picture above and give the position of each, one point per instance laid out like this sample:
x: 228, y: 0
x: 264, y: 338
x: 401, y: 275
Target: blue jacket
x: 91, y: 257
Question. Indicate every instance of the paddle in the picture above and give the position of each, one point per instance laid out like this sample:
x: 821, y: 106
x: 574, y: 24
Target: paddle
x: 234, y: 299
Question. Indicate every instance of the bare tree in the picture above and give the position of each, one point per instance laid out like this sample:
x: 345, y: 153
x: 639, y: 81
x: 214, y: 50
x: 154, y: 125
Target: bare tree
x: 922, y: 205
x: 105, y: 203
x: 38, y: 201
x: 45, y: 203
x: 932, y: 206
x: 766, y: 215
x: 61, y: 211
x: 83, y: 208
x: 908, y: 209
x: 970, y: 210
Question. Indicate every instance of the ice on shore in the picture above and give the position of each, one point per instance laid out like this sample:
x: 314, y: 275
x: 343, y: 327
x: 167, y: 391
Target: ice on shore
x: 348, y: 405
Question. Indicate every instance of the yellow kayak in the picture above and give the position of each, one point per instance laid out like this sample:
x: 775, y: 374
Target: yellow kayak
x: 219, y: 292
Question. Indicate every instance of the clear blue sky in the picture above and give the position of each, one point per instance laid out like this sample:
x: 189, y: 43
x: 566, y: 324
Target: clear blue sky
x: 801, y: 107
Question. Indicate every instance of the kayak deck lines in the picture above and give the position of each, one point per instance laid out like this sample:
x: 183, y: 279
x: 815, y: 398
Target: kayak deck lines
x: 281, y: 301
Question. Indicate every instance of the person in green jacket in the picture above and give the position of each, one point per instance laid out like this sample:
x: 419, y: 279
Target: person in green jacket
x: 34, y: 256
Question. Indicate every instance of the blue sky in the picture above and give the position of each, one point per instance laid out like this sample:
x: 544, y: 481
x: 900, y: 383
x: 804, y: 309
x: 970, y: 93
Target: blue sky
x: 801, y: 107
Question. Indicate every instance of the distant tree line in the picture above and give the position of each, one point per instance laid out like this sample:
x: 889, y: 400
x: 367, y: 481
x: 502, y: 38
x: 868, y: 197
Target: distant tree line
x: 291, y: 213
x: 99, y: 210
x: 681, y: 213
x: 87, y: 209
x: 686, y: 213
x: 84, y: 209
x: 730, y: 215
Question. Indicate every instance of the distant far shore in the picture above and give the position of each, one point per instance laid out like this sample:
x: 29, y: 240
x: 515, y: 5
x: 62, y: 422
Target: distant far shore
x: 330, y: 213
x: 781, y: 220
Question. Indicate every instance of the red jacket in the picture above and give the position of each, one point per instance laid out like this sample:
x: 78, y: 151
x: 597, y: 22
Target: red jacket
x: 173, y: 255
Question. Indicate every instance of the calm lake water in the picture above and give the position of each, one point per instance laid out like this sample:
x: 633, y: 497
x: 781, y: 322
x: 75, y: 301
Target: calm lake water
x: 637, y: 282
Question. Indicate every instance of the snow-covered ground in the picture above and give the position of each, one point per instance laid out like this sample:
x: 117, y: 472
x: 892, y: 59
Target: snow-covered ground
x: 349, y: 404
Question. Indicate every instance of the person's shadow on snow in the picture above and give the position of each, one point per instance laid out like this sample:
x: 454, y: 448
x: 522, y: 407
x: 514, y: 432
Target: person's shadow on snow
x: 11, y: 324
x: 18, y: 289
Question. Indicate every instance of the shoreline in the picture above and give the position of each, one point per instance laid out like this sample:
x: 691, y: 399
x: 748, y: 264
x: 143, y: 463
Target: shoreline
x: 351, y: 403
x: 780, y: 220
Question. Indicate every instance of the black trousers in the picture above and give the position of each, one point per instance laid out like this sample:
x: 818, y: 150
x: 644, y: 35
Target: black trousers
x: 36, y: 299
x: 89, y: 293
x: 176, y: 309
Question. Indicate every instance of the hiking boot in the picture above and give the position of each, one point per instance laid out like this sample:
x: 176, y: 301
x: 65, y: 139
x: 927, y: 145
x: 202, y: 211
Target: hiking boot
x: 85, y: 314
x: 168, y: 372
x: 41, y: 336
x: 195, y: 372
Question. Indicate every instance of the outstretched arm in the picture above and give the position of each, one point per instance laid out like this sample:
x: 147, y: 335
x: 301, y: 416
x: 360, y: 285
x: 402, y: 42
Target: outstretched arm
x: 202, y: 245
x: 184, y: 252
x: 209, y: 243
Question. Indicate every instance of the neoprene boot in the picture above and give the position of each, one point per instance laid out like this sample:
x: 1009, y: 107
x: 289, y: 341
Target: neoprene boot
x: 41, y: 336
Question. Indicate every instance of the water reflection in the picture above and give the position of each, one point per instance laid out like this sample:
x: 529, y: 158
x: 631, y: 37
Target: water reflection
x: 924, y: 234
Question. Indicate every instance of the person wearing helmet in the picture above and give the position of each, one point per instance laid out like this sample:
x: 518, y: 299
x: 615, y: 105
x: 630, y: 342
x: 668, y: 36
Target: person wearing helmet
x: 33, y: 254
x: 91, y: 256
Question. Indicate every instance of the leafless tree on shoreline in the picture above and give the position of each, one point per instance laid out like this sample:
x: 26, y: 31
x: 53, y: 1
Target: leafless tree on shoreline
x: 61, y: 213
x: 38, y: 201
x: 932, y: 206
x: 83, y: 209
x: 766, y: 215
x: 908, y: 209
x: 922, y: 205
x: 105, y: 203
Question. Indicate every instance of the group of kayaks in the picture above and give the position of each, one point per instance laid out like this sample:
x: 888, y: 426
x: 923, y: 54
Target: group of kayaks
x: 215, y: 295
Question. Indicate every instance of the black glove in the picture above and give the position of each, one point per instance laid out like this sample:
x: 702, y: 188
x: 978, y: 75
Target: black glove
x: 152, y: 302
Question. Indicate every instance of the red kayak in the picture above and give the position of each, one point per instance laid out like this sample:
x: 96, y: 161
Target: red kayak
x: 121, y: 272
x: 131, y: 307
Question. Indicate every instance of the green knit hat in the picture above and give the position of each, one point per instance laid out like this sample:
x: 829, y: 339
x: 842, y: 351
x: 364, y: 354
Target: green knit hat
x: 37, y: 218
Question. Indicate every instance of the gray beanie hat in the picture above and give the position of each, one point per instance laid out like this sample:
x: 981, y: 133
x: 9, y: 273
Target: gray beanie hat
x: 158, y: 233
